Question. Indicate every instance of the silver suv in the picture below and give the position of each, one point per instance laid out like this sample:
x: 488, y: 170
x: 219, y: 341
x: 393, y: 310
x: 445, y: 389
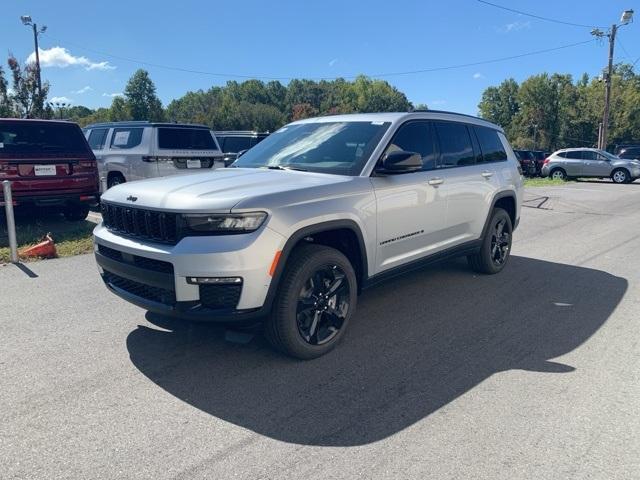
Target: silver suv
x: 308, y: 218
x: 590, y: 162
x: 129, y: 151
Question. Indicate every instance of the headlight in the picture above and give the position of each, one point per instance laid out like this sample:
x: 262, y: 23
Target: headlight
x: 225, y: 223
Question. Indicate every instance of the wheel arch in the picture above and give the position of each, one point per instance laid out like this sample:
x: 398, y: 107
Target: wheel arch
x: 507, y: 200
x: 331, y: 233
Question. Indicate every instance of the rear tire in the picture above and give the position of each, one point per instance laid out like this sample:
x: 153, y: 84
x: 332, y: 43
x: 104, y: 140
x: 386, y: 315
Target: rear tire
x: 621, y: 176
x: 76, y: 213
x: 316, y: 298
x: 496, y: 245
x: 115, y: 179
x: 558, y: 174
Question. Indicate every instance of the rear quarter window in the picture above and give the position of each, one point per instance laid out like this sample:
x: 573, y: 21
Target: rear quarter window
x: 186, y: 139
x: 490, y: 145
x: 35, y: 139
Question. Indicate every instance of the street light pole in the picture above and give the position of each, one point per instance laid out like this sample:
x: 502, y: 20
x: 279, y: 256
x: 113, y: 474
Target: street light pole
x: 35, y: 41
x: 27, y: 21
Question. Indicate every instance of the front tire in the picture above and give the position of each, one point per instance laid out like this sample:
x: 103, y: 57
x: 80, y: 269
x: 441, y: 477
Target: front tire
x: 316, y: 298
x: 496, y: 245
x: 621, y: 176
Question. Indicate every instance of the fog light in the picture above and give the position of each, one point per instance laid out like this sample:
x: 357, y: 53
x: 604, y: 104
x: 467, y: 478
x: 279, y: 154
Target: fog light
x: 213, y: 280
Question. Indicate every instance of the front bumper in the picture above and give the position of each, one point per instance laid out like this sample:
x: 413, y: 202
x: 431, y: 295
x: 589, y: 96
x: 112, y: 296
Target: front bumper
x: 154, y: 276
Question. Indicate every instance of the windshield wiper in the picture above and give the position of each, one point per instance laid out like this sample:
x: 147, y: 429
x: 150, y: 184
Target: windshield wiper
x: 285, y: 167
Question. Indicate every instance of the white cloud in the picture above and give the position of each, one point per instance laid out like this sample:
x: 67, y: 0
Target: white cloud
x: 478, y: 75
x: 60, y: 100
x: 61, y: 58
x: 82, y: 90
x: 515, y: 26
x: 332, y: 62
x: 112, y: 95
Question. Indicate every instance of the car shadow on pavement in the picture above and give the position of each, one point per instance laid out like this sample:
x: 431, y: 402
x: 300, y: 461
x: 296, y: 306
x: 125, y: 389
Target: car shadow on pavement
x: 415, y: 344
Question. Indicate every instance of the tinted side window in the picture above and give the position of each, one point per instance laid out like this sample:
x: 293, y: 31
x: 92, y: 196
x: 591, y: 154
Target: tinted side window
x: 562, y: 154
x: 490, y: 145
x: 186, y: 139
x: 456, y: 149
x: 576, y: 155
x: 416, y: 137
x: 126, y: 137
x: 589, y: 155
x: 236, y: 144
x: 97, y: 138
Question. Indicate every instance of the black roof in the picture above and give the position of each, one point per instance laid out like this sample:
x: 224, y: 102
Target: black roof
x: 145, y: 123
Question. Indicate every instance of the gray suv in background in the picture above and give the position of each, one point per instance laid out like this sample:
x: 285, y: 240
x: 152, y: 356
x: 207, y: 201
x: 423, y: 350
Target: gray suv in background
x: 590, y: 162
x: 308, y: 218
x: 128, y: 151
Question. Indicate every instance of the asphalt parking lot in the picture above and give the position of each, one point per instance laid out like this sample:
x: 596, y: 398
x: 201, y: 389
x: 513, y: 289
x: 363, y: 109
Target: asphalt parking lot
x: 533, y: 373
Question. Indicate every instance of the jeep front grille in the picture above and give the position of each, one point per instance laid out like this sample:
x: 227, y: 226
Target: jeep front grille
x: 141, y: 223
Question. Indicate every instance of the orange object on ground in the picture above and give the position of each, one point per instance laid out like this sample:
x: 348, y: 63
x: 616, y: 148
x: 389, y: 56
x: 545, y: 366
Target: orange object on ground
x: 45, y: 249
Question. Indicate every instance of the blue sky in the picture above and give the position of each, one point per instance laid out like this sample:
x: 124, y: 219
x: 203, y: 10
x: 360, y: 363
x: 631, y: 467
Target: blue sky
x: 325, y: 38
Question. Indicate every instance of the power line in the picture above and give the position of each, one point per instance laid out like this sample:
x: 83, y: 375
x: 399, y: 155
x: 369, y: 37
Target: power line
x: 377, y: 75
x: 539, y: 17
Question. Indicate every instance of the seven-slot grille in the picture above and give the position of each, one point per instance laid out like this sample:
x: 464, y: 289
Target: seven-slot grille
x: 142, y: 223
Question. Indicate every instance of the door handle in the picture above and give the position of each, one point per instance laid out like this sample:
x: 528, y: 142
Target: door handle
x: 487, y: 174
x: 435, y: 181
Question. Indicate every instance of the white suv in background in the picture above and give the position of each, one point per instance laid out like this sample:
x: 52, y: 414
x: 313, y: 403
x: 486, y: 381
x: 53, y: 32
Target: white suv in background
x: 316, y: 212
x: 128, y: 151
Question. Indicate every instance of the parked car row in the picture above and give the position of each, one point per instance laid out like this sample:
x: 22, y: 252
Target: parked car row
x: 531, y: 161
x: 53, y: 165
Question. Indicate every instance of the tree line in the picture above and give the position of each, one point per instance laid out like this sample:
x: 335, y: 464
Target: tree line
x: 248, y: 105
x: 552, y: 111
x: 545, y: 111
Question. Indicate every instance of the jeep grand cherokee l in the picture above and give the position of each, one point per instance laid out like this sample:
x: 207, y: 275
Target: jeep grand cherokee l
x: 49, y: 165
x: 309, y: 217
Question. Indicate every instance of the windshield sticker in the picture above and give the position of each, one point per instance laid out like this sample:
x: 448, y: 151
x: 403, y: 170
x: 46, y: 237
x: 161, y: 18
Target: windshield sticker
x: 377, y: 123
x: 121, y: 138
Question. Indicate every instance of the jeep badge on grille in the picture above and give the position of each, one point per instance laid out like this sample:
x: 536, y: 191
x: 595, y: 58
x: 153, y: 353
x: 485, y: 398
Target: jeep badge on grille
x: 131, y: 198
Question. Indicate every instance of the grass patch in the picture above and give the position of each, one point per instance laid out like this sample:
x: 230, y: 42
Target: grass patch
x: 544, y: 182
x: 71, y: 238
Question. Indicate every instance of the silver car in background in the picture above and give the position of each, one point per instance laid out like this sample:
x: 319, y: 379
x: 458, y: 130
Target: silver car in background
x: 128, y: 151
x: 590, y: 162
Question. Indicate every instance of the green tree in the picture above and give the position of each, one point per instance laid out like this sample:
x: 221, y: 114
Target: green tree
x: 27, y: 100
x: 141, y: 99
x: 6, y: 107
x: 500, y: 104
x: 120, y: 110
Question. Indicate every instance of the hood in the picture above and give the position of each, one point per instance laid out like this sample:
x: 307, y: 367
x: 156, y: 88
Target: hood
x: 214, y: 191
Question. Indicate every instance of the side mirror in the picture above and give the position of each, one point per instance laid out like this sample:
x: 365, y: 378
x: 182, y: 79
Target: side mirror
x: 400, y: 162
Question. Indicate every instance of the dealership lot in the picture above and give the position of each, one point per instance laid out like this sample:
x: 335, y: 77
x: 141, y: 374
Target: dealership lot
x: 532, y: 373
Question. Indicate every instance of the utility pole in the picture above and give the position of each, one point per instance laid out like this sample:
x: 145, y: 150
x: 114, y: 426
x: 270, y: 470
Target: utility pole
x: 603, y: 134
x: 607, y: 89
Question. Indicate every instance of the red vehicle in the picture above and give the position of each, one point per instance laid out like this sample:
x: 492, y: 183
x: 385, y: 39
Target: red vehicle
x: 49, y: 164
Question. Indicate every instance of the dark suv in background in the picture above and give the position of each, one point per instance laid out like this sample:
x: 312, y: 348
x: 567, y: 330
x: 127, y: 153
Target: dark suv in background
x: 50, y: 166
x: 628, y: 152
x: 235, y: 142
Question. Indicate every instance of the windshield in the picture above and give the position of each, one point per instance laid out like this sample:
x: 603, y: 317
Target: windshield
x: 340, y: 148
x: 609, y: 155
